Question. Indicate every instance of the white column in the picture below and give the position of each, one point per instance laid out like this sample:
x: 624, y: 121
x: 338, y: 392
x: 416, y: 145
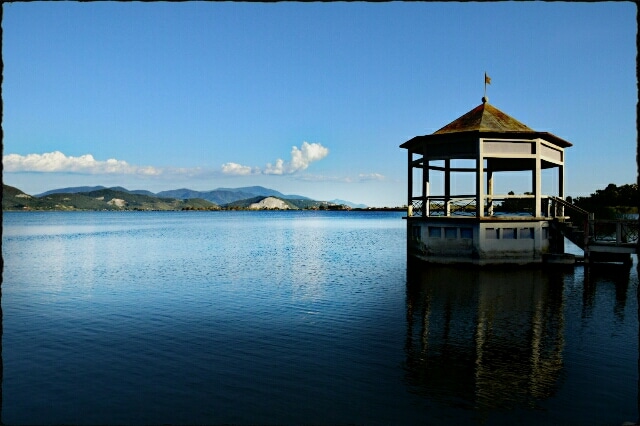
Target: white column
x: 537, y: 180
x: 426, y: 187
x: 561, y: 185
x: 490, y: 190
x: 410, y: 178
x: 479, y: 187
x: 425, y: 181
x: 480, y: 181
x: 447, y: 187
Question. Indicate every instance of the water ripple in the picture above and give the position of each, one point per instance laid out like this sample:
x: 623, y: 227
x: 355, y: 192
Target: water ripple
x: 293, y: 317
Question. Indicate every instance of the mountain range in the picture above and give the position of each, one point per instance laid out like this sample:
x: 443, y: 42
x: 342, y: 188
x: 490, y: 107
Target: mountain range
x: 103, y: 198
x: 220, y: 196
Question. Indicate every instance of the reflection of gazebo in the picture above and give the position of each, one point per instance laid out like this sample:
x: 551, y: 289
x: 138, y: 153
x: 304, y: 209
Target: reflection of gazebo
x: 477, y: 339
x: 445, y: 227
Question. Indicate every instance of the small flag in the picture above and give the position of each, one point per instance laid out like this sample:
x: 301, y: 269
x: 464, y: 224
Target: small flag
x: 487, y: 79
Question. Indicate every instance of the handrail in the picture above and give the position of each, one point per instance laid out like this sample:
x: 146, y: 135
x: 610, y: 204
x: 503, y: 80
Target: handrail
x: 567, y: 204
x: 419, y: 202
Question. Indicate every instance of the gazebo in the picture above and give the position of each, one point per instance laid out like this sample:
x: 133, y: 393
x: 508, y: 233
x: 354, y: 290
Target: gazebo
x: 483, y: 227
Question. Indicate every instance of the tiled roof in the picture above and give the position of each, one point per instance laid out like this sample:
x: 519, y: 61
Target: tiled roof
x: 484, y: 118
x: 484, y: 121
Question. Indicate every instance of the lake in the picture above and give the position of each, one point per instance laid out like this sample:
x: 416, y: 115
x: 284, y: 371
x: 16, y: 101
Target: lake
x: 298, y: 317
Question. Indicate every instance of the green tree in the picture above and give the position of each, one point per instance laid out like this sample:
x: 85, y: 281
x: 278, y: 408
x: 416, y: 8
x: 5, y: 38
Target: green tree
x: 611, y: 201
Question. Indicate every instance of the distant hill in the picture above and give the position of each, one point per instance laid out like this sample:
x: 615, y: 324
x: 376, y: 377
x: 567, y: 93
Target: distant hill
x: 349, y: 203
x: 164, y: 200
x: 260, y: 200
x: 217, y: 196
x: 179, y: 193
x: 78, y: 189
x: 15, y: 199
x: 261, y: 190
x: 135, y: 191
x: 71, y: 190
x: 223, y: 196
x: 101, y: 199
x: 293, y: 204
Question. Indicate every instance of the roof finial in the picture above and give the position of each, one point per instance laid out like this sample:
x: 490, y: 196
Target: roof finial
x: 487, y: 80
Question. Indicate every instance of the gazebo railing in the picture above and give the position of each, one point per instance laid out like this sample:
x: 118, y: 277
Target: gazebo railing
x: 416, y: 207
x: 617, y: 232
x: 439, y: 206
x: 494, y: 205
x: 455, y: 206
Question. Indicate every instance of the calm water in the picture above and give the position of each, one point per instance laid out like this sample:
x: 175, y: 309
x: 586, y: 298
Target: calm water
x: 298, y: 317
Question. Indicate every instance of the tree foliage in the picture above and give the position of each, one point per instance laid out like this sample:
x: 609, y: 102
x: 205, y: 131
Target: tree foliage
x: 513, y: 205
x: 611, y: 201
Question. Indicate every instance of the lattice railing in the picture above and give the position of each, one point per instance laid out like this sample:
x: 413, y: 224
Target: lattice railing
x: 503, y: 205
x: 613, y: 231
x: 630, y: 231
x: 463, y: 206
x: 437, y: 206
x: 417, y: 207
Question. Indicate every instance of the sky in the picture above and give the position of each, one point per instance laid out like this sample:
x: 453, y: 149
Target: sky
x: 311, y: 99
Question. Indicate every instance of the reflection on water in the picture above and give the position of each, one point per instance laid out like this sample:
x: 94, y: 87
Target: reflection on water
x: 516, y: 344
x: 298, y: 317
x: 484, y: 339
x: 637, y: 419
x: 1, y: 331
x: 616, y: 275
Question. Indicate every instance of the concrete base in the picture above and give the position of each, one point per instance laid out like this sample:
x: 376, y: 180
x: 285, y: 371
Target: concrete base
x: 486, y: 241
x: 441, y: 260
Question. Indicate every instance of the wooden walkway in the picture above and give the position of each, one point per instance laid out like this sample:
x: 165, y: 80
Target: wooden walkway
x: 603, y: 240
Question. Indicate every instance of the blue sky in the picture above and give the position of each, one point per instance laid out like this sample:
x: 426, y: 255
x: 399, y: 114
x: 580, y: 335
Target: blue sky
x: 306, y: 98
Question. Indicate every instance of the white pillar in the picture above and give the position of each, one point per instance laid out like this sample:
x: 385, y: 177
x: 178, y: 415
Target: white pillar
x: 425, y: 181
x: 537, y: 180
x: 480, y: 181
x: 490, y: 190
x: 479, y: 187
x: 447, y: 187
x: 426, y: 188
x: 561, y: 186
x: 410, y: 178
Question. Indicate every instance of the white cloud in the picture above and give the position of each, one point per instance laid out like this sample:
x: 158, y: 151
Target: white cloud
x: 278, y: 169
x: 310, y: 152
x: 362, y: 177
x: 236, y: 169
x: 371, y: 176
x: 58, y: 162
x: 300, y: 160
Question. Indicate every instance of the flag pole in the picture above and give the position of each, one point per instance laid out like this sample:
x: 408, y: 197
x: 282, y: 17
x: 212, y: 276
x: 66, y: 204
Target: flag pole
x: 487, y: 80
x: 485, y: 84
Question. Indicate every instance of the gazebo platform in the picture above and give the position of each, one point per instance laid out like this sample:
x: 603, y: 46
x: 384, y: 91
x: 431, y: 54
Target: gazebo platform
x: 482, y: 228
x: 484, y: 241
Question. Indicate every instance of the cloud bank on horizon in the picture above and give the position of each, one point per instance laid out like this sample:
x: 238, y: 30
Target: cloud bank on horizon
x: 58, y: 162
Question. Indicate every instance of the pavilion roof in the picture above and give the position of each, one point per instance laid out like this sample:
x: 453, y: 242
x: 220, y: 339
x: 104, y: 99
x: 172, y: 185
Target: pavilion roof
x: 484, y: 121
x: 484, y: 118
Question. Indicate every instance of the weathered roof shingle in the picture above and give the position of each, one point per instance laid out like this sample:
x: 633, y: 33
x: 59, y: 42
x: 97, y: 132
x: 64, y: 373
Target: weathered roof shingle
x: 485, y: 118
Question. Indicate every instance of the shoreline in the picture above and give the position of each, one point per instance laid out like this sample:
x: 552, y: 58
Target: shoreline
x: 369, y: 209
